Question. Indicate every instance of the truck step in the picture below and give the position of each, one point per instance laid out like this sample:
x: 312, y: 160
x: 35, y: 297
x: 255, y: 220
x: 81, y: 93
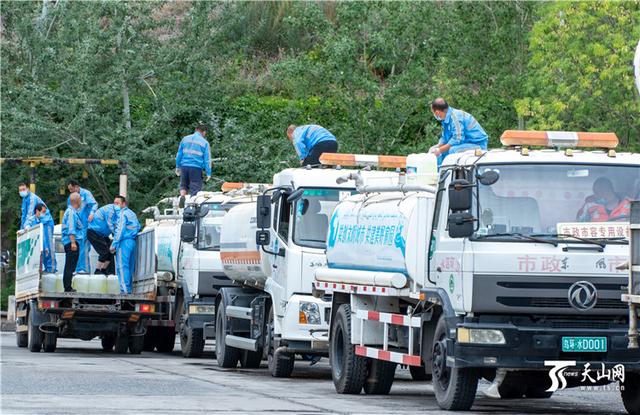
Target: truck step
x: 379, y: 354
x: 241, y: 342
x: 238, y: 312
x: 389, y: 318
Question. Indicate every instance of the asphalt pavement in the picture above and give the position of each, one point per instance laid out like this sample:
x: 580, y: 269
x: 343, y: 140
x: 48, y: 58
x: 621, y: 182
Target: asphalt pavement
x: 79, y: 378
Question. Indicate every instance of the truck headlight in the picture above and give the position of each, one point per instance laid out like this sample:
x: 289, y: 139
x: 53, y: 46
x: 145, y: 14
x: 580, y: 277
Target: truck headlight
x: 201, y: 309
x: 309, y: 313
x: 480, y: 336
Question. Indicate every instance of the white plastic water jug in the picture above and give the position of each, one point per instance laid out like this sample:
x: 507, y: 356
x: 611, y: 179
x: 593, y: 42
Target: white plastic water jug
x: 48, y: 283
x: 422, y: 168
x: 59, y: 283
x: 81, y: 283
x: 97, y: 284
x: 113, y: 285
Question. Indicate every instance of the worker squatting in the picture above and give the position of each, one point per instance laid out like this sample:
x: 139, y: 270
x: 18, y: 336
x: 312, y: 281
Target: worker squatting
x: 110, y: 229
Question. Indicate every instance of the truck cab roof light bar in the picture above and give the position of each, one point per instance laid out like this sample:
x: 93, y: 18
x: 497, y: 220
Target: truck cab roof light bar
x: 559, y: 139
x: 363, y: 160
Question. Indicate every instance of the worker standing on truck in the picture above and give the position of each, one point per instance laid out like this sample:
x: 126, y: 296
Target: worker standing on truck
x: 194, y: 156
x: 460, y: 131
x: 87, y: 210
x: 100, y: 228
x: 310, y: 141
x: 42, y: 216
x: 124, y: 243
x: 72, y: 235
x: 29, y: 202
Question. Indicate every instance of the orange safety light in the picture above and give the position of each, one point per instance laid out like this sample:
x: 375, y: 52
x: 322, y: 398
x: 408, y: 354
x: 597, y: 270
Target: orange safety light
x: 349, y: 160
x: 228, y: 186
x: 558, y: 139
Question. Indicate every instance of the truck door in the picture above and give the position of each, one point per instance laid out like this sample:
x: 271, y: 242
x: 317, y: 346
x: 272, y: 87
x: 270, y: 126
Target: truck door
x: 451, y: 261
x: 276, y: 284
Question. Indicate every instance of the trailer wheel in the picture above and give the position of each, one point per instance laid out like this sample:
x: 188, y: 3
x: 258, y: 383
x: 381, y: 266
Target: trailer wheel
x: 107, y: 342
x: 226, y: 356
x: 22, y: 339
x: 136, y: 344
x: 165, y: 339
x: 348, y: 370
x: 149, y: 339
x: 419, y: 374
x: 121, y: 343
x: 630, y: 396
x: 191, y: 341
x: 34, y: 335
x: 380, y: 377
x: 251, y: 360
x: 50, y: 342
x: 280, y: 364
x: 455, y: 388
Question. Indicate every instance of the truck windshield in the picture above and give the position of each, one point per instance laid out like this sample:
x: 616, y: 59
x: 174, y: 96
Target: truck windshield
x: 312, y: 213
x: 557, y: 201
x: 209, y: 226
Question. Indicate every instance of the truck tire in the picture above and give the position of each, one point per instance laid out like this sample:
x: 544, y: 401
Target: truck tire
x: 280, y: 364
x: 455, y: 388
x: 251, y: 360
x: 149, y: 340
x: 419, y: 374
x: 630, y: 396
x: 22, y: 339
x: 50, y: 342
x: 108, y: 341
x: 380, y: 377
x: 191, y: 341
x: 165, y: 339
x: 121, y: 344
x: 226, y: 356
x: 136, y: 344
x: 348, y: 370
x: 34, y: 335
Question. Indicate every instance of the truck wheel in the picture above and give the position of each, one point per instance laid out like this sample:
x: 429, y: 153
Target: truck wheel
x: 107, y: 342
x: 455, y: 388
x: 136, y: 344
x: 22, y: 339
x: 280, y: 364
x: 34, y: 335
x: 630, y: 396
x: 50, y: 342
x: 226, y: 356
x: 165, y: 338
x: 121, y: 343
x: 191, y: 341
x: 418, y: 373
x: 251, y: 360
x: 380, y: 377
x: 149, y: 340
x: 348, y: 370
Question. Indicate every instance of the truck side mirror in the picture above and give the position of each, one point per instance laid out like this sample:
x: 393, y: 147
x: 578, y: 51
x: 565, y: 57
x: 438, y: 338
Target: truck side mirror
x: 460, y: 195
x: 263, y: 238
x: 460, y: 224
x: 189, y: 214
x: 263, y: 213
x: 188, y: 232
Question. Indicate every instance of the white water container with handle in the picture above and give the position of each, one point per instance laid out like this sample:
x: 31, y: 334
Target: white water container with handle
x: 422, y: 168
x: 113, y: 285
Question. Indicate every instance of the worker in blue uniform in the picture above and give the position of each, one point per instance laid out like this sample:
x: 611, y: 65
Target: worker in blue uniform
x: 100, y: 229
x: 87, y: 210
x: 310, y: 141
x: 124, y: 243
x: 73, y: 233
x: 29, y: 202
x: 194, y: 156
x: 42, y: 216
x: 460, y: 131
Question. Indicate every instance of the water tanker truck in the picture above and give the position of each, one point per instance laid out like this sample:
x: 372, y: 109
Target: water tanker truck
x: 508, y: 267
x: 270, y: 249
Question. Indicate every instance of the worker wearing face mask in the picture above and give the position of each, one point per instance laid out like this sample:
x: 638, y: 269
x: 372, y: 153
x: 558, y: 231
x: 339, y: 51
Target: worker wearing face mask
x: 42, y: 216
x: 124, y: 243
x: 87, y: 209
x: 460, y: 131
x: 29, y: 202
x: 73, y: 234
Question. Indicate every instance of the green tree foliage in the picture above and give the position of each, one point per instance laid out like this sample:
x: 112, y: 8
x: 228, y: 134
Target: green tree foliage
x: 580, y: 73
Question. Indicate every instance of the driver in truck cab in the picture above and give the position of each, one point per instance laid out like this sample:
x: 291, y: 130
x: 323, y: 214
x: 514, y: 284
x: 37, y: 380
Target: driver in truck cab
x: 604, y: 205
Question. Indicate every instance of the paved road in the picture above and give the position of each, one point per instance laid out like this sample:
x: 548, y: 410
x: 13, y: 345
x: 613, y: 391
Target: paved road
x: 80, y: 378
